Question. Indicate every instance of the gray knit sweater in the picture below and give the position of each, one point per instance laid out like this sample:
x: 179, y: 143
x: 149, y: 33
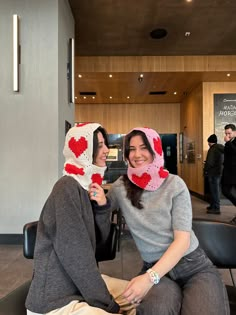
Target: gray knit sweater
x: 65, y: 268
x: 166, y: 209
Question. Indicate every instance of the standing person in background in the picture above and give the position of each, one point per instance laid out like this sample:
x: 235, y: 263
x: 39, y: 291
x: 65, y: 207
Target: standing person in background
x: 213, y: 170
x: 66, y: 277
x: 177, y: 277
x: 229, y: 171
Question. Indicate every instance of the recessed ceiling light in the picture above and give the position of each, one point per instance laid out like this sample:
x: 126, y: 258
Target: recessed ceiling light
x: 75, y: 97
x: 187, y: 34
x: 110, y: 97
x: 93, y: 97
x: 128, y: 97
x: 110, y: 75
x: 141, y: 75
x: 188, y: 0
x: 85, y: 97
x: 175, y: 93
x: 228, y: 74
x: 79, y: 75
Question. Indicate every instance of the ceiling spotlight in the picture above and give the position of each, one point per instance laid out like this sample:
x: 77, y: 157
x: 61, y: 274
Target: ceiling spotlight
x: 93, y: 97
x: 128, y: 97
x: 187, y: 34
x: 110, y: 75
x: 85, y: 97
x: 110, y: 97
x: 228, y: 74
x: 80, y: 75
x: 175, y: 93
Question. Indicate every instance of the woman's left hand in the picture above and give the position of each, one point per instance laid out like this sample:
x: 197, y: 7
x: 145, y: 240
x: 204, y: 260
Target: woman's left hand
x: 137, y: 288
x: 96, y: 193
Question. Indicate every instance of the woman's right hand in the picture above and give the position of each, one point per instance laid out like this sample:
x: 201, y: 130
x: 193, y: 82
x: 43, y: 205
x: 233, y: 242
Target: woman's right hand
x: 97, y: 193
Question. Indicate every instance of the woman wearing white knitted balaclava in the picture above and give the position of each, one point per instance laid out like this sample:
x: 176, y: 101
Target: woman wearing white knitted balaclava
x: 66, y: 278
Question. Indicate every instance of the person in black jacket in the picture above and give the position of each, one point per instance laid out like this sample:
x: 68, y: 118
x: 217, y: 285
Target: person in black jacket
x: 213, y: 170
x: 229, y: 171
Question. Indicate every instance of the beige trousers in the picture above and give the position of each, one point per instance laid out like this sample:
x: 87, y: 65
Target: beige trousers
x: 115, y: 286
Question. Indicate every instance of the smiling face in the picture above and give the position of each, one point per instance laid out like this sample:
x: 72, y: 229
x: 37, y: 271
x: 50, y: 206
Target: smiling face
x: 102, y: 151
x: 139, y: 155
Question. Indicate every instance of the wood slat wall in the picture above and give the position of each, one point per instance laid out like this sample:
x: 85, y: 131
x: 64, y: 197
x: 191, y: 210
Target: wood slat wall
x: 191, y: 126
x: 120, y: 118
x: 195, y: 117
x: 154, y: 63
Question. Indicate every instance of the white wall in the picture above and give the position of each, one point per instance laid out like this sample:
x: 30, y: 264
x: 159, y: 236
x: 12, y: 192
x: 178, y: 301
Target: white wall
x: 32, y: 121
x: 66, y: 31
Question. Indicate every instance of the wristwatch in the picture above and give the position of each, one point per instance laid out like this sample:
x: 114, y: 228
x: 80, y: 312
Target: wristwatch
x: 154, y: 276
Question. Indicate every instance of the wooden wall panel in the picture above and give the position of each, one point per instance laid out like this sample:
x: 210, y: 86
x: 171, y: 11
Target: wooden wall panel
x: 191, y: 126
x: 154, y: 63
x: 120, y: 118
x: 195, y: 118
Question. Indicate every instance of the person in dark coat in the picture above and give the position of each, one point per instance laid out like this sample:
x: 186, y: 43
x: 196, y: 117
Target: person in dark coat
x: 229, y: 171
x: 213, y: 170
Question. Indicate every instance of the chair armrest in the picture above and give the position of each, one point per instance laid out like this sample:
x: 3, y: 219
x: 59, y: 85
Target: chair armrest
x: 14, y: 302
x: 29, y: 237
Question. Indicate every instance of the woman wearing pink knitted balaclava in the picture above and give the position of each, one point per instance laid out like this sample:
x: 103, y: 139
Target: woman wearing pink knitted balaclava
x: 177, y: 277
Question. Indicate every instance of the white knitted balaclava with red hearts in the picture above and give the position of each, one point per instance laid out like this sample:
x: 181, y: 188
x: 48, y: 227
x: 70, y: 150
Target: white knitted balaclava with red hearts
x: 151, y: 176
x: 78, y: 152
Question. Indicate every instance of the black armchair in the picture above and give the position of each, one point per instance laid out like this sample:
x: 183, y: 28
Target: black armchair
x: 218, y: 241
x: 14, y: 302
x: 104, y: 251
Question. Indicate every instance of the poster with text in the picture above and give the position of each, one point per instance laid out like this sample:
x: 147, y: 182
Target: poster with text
x: 225, y: 113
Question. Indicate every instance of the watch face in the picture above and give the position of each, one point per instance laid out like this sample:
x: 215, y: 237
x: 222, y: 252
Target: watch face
x: 154, y: 276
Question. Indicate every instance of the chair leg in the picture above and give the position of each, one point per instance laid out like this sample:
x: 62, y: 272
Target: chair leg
x: 232, y: 277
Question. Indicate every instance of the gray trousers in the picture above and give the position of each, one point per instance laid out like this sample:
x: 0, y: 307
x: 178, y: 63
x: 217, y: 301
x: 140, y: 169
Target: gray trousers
x: 193, y: 287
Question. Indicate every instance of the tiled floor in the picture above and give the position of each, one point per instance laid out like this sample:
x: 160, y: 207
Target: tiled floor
x: 15, y: 269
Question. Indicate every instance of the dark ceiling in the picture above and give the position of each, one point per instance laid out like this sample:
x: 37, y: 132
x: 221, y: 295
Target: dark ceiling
x: 122, y: 28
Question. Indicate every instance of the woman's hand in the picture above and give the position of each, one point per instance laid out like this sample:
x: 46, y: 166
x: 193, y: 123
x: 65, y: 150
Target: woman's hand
x: 96, y: 193
x: 137, y: 288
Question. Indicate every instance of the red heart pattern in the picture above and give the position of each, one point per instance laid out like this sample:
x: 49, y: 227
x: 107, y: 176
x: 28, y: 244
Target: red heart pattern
x: 97, y: 178
x: 163, y: 173
x: 81, y: 124
x: 142, y: 180
x: 72, y: 169
x: 157, y: 145
x: 78, y: 146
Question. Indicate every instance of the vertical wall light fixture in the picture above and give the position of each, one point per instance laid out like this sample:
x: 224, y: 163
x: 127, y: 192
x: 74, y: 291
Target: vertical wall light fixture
x: 72, y: 69
x: 16, y: 57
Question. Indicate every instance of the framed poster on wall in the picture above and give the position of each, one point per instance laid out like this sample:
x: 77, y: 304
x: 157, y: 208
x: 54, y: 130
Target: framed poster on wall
x: 224, y: 113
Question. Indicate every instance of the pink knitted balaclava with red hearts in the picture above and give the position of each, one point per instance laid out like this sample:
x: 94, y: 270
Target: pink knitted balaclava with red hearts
x: 151, y: 176
x: 78, y: 152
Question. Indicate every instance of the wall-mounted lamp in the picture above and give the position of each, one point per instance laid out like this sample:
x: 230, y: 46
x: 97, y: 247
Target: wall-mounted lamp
x: 16, y: 58
x: 140, y: 78
x: 72, y: 70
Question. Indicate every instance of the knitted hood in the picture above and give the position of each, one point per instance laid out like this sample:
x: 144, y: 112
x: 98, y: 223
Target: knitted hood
x: 78, y: 152
x: 151, y: 176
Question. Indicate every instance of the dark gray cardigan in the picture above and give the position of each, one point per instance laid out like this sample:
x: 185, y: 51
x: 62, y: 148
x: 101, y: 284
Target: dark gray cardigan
x: 65, y: 268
